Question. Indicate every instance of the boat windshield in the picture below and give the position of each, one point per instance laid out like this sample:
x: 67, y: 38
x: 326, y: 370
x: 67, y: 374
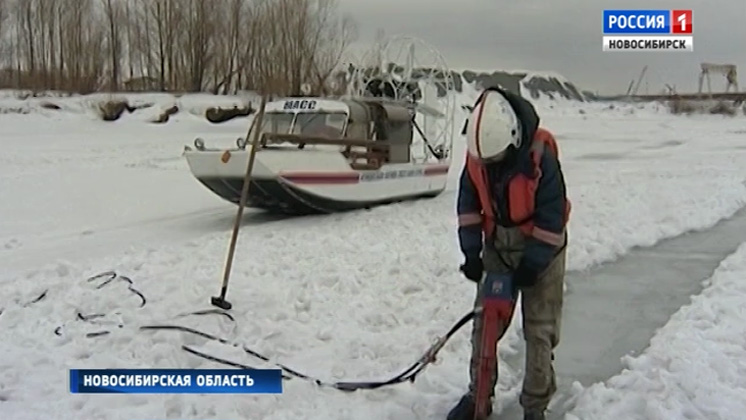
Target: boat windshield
x: 320, y: 124
x: 317, y: 124
x: 277, y: 123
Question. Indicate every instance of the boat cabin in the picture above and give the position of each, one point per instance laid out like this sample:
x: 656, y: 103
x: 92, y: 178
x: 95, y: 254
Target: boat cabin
x: 346, y: 122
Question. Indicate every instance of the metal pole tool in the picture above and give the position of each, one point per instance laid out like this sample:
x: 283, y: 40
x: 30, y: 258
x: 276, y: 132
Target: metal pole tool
x: 220, y: 301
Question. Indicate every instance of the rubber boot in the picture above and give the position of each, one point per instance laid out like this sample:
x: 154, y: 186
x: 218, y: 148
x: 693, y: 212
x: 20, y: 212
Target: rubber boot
x: 535, y: 415
x: 464, y: 410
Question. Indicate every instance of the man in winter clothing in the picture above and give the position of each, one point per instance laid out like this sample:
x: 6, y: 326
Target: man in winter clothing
x: 513, y: 211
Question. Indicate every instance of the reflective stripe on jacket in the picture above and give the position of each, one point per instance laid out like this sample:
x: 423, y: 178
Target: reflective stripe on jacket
x: 536, y: 204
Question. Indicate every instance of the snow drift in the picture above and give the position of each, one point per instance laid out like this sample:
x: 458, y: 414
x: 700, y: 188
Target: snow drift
x: 158, y: 107
x: 528, y: 83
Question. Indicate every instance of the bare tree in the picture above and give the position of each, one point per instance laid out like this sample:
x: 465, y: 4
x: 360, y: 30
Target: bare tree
x: 182, y: 45
x: 113, y: 14
x: 303, y: 43
x: 332, y: 38
x: 200, y: 38
x: 3, y: 39
x: 227, y: 63
x: 3, y: 15
x: 25, y: 25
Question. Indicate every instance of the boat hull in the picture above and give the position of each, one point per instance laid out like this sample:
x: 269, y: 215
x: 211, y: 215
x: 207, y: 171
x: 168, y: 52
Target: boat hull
x: 278, y: 196
x: 314, y: 180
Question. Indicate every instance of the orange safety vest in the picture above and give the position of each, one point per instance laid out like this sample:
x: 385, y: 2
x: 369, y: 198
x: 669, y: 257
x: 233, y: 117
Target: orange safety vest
x: 521, y: 192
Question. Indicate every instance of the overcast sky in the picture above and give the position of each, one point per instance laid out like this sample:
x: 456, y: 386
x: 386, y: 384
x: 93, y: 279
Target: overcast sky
x: 559, y: 35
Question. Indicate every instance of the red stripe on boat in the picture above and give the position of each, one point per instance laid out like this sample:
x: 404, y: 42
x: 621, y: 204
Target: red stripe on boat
x: 331, y: 178
x: 436, y: 170
x: 337, y: 178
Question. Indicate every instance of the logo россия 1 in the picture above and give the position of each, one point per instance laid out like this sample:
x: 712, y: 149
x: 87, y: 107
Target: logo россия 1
x: 648, y: 30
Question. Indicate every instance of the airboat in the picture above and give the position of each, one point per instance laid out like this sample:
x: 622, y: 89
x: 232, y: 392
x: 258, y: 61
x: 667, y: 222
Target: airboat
x: 387, y: 140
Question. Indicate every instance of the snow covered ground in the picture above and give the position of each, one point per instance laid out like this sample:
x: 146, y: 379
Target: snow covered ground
x: 355, y: 296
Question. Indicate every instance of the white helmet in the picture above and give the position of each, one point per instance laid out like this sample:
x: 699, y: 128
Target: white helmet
x: 493, y: 127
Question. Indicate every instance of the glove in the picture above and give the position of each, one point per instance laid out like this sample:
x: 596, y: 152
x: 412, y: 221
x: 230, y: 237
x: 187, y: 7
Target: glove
x: 525, y: 277
x: 473, y: 269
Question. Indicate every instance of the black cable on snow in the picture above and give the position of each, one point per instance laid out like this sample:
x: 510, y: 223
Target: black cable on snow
x: 408, y: 374
x: 38, y: 298
x: 31, y: 302
x: 109, y: 277
x: 112, y: 275
x: 222, y: 361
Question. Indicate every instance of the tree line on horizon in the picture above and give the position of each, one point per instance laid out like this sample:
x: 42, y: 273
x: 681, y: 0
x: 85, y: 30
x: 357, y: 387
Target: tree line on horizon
x: 216, y: 46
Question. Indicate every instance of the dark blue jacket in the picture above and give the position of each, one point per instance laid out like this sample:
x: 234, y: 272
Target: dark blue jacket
x: 550, y: 197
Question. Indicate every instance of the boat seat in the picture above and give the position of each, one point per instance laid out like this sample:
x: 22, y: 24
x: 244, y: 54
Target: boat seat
x: 401, y: 141
x: 370, y: 160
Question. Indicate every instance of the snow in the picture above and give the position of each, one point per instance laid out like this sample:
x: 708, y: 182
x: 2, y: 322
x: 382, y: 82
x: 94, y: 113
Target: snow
x: 528, y: 76
x: 354, y: 296
x: 23, y: 102
x: 695, y: 367
x: 545, y: 74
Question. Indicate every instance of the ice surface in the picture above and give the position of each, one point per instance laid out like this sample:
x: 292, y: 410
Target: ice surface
x: 352, y: 296
x: 695, y: 367
x: 636, y: 295
x: 613, y: 310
